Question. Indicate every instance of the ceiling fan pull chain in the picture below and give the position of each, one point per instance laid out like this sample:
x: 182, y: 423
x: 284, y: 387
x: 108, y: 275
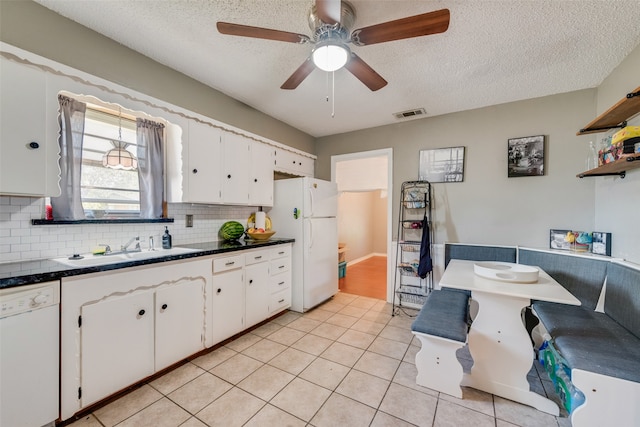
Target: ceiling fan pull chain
x: 333, y: 94
x: 326, y: 80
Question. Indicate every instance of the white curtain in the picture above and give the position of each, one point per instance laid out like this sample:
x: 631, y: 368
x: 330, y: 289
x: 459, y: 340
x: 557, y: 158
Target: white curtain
x: 150, y: 137
x: 71, y: 120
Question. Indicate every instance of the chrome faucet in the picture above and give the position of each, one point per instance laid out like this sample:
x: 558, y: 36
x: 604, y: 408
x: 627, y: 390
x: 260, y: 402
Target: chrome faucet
x: 107, y: 248
x: 124, y: 248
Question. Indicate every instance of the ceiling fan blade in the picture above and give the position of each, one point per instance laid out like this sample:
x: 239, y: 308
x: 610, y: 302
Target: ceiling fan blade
x: 299, y: 75
x: 412, y: 26
x: 329, y: 11
x: 365, y: 73
x: 260, y: 33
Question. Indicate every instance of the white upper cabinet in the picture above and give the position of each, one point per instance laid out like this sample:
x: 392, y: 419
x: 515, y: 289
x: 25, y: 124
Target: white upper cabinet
x: 203, y: 165
x: 261, y: 174
x: 293, y: 163
x: 23, y: 119
x: 235, y: 169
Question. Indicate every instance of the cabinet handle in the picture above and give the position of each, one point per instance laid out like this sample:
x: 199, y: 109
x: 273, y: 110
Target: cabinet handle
x: 282, y: 266
x: 34, y: 145
x: 229, y: 263
x: 281, y: 283
x: 141, y: 313
x: 251, y: 281
x: 229, y: 176
x: 219, y: 290
x: 164, y: 306
x: 195, y: 170
x: 281, y: 301
x: 258, y: 257
x: 294, y: 162
x: 255, y: 179
x: 281, y: 253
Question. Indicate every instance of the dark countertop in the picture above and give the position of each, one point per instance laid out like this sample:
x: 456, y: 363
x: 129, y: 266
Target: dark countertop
x: 37, y: 271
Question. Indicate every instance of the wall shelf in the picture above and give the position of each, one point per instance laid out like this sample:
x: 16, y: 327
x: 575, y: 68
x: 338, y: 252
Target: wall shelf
x: 619, y: 167
x: 616, y: 116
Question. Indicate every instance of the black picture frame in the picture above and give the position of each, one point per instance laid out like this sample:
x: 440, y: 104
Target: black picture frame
x: 557, y: 239
x: 442, y: 165
x: 525, y: 156
x: 601, y: 243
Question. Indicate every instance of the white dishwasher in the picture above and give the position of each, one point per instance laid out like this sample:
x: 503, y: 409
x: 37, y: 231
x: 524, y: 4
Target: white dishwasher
x: 29, y: 354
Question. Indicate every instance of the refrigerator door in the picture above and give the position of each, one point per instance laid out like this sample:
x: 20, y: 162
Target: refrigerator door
x: 320, y: 198
x: 320, y: 261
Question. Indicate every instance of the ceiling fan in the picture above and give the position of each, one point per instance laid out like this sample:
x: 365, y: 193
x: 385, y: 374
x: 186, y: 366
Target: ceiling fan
x: 330, y: 21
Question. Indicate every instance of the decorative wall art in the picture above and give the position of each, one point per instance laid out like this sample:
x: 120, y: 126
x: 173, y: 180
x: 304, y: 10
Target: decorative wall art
x: 526, y: 156
x: 442, y: 165
x: 560, y: 239
x: 601, y: 243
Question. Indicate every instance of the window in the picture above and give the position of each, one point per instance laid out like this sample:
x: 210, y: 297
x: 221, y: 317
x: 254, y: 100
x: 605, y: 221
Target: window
x: 111, y: 162
x: 106, y: 190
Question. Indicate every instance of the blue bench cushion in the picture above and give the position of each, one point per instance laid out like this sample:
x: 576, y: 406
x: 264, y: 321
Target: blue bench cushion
x: 478, y: 253
x: 444, y: 314
x: 583, y: 277
x: 622, y: 297
x: 591, y: 341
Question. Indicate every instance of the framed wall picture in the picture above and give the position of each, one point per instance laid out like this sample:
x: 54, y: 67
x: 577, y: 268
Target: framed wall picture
x: 526, y: 156
x: 601, y: 243
x: 560, y: 239
x: 442, y: 165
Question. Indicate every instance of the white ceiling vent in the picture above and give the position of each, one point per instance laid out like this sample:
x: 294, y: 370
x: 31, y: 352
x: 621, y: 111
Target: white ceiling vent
x: 410, y: 114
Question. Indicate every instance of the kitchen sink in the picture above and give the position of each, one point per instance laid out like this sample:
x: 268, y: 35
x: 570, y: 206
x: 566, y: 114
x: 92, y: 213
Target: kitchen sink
x: 90, y: 260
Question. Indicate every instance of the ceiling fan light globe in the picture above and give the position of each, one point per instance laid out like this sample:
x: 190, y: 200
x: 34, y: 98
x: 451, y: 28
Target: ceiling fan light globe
x: 330, y: 57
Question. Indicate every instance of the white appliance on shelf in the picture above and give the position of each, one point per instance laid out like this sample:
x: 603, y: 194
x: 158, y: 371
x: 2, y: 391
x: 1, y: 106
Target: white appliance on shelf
x: 29, y: 336
x: 305, y: 209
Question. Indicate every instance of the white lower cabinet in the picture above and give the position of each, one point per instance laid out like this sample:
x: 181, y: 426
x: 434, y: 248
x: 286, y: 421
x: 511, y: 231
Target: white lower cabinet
x: 119, y: 327
x: 122, y: 326
x: 179, y: 322
x: 116, y: 344
x: 280, y: 279
x: 227, y: 313
x: 257, y: 287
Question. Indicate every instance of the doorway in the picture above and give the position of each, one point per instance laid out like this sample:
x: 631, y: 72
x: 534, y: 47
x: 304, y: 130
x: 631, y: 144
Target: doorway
x: 364, y: 221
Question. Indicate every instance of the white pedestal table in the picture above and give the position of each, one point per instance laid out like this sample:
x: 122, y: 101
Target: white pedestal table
x: 498, y: 340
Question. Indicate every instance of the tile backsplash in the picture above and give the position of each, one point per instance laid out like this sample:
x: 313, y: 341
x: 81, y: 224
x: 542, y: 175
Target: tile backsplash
x: 21, y: 241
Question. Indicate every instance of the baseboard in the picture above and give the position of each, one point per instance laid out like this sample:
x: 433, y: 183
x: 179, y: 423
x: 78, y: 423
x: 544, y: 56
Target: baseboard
x: 364, y: 258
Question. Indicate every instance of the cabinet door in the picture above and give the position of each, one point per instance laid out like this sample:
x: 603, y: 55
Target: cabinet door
x: 116, y: 344
x: 205, y: 150
x: 261, y: 175
x: 228, y: 304
x: 235, y: 166
x: 257, y: 293
x: 179, y: 313
x: 22, y: 130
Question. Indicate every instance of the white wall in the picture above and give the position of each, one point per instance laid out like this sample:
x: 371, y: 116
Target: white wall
x: 362, y: 223
x: 617, y: 201
x: 489, y: 207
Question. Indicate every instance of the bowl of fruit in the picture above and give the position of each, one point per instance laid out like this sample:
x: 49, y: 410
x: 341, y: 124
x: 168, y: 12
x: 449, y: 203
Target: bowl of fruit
x: 260, y: 233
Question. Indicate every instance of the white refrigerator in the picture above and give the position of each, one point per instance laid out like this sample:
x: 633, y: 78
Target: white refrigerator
x: 305, y: 209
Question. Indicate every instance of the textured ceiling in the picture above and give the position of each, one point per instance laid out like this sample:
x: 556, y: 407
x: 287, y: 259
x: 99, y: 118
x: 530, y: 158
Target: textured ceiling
x: 493, y: 52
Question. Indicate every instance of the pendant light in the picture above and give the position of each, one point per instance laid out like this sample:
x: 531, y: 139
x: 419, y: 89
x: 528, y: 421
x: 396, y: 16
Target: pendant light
x: 119, y: 157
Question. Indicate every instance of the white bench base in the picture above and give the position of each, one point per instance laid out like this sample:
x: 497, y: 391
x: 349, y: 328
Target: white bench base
x: 437, y: 364
x: 609, y: 401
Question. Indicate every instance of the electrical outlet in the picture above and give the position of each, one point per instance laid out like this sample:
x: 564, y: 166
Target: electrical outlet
x: 188, y: 219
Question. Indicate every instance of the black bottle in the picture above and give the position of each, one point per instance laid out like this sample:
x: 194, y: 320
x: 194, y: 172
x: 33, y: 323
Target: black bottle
x: 166, y: 239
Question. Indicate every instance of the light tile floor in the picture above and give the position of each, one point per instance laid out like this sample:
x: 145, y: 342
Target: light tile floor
x: 345, y: 363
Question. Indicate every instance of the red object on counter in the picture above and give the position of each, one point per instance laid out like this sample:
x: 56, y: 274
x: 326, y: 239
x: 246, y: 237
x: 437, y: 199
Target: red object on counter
x: 48, y: 212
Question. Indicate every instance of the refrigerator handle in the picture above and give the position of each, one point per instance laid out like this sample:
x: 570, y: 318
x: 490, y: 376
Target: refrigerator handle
x: 311, y: 202
x: 310, y: 234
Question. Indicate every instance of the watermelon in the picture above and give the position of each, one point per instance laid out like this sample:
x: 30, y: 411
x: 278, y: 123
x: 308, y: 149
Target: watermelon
x: 231, y: 230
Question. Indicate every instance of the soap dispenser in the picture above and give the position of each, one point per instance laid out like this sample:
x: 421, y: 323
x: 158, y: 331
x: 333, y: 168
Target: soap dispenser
x: 166, y: 239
